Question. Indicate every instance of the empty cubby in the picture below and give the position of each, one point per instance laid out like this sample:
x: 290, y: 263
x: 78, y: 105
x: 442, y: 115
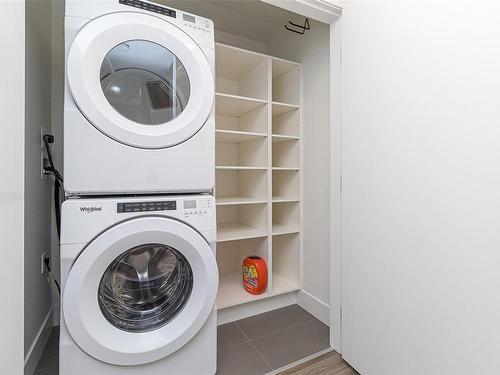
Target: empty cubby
x: 286, y: 82
x: 243, y: 186
x: 253, y: 120
x: 286, y: 263
x: 286, y: 217
x: 240, y: 72
x: 285, y: 185
x: 286, y: 123
x: 286, y: 153
x: 252, y: 153
x: 241, y: 221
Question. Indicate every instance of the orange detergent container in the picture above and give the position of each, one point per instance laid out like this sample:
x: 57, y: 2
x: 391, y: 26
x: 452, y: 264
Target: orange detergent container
x: 254, y: 272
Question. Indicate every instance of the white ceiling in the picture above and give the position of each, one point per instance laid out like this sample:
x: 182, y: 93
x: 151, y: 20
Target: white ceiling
x: 250, y: 19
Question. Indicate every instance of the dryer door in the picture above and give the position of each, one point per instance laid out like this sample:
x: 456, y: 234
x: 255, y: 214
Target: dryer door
x: 140, y: 80
x: 140, y: 291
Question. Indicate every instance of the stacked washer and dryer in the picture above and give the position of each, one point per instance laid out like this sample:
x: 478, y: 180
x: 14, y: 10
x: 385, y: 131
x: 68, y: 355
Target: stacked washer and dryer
x: 138, y: 269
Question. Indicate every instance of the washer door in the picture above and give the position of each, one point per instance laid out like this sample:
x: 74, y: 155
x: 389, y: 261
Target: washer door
x: 140, y: 80
x: 140, y: 291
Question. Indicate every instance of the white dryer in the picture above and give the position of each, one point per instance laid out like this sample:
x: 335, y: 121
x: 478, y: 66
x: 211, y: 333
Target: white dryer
x: 139, y: 282
x: 139, y: 95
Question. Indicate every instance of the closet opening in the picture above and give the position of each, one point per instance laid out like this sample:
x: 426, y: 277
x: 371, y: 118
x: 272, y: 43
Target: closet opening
x: 272, y: 109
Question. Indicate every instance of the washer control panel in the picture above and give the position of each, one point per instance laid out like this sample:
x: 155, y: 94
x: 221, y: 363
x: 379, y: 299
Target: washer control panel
x: 146, y: 206
x: 196, y: 207
x: 186, y: 207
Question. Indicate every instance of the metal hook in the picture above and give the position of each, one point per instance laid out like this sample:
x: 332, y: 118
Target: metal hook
x: 303, y: 28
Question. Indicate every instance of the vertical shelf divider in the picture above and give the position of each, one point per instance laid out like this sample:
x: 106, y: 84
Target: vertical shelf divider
x: 270, y: 172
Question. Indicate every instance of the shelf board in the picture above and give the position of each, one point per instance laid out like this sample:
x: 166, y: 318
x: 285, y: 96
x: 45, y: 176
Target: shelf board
x: 233, y: 136
x: 239, y: 167
x: 280, y: 108
x: 234, y: 105
x: 227, y: 201
x: 286, y: 168
x: 237, y: 231
x: 279, y: 229
x: 278, y: 138
x: 281, y: 199
x: 282, y: 285
x: 232, y: 293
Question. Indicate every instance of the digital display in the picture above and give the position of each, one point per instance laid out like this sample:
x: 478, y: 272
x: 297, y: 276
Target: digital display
x: 189, y: 204
x: 188, y: 17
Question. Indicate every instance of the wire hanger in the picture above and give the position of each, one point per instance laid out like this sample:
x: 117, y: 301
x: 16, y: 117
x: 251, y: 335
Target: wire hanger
x: 302, y: 28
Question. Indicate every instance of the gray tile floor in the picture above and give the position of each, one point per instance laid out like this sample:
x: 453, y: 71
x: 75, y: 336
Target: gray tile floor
x: 251, y: 346
x: 266, y: 342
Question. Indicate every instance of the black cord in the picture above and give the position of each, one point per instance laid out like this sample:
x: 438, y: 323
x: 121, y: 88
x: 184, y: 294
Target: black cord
x: 47, y: 140
x: 57, y: 204
x: 58, y: 180
x: 46, y: 261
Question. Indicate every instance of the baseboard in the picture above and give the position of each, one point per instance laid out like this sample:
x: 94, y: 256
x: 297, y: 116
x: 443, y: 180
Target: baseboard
x: 230, y: 314
x: 314, y: 306
x: 36, y: 349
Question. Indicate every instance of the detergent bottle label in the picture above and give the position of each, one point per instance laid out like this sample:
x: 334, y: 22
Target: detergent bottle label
x: 250, y: 276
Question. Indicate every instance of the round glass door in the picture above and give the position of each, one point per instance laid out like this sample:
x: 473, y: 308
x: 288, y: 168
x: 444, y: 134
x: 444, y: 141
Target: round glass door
x: 140, y: 290
x: 145, y: 82
x: 140, y: 80
x: 145, y: 288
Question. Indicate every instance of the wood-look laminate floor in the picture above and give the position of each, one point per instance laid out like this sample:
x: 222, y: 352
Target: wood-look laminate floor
x: 328, y: 364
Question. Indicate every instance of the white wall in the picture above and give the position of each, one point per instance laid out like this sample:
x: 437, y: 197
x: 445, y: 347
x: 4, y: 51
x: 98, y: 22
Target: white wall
x: 37, y: 296
x: 421, y: 187
x: 312, y: 50
x: 12, y: 187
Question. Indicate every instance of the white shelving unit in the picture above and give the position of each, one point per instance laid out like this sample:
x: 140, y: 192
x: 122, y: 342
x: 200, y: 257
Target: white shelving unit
x: 257, y: 190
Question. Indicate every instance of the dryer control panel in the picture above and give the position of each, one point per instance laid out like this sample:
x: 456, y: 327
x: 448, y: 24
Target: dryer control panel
x: 196, y: 23
x: 149, y: 7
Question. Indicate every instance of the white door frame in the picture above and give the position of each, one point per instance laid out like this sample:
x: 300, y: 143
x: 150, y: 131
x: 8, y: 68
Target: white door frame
x: 327, y: 11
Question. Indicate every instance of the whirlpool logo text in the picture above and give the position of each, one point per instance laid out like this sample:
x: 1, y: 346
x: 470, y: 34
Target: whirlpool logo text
x: 91, y: 209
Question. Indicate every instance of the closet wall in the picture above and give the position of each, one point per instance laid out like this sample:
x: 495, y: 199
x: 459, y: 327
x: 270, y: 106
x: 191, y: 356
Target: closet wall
x: 37, y: 193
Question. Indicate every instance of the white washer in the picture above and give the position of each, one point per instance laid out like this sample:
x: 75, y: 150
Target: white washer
x: 139, y: 94
x: 139, y: 282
